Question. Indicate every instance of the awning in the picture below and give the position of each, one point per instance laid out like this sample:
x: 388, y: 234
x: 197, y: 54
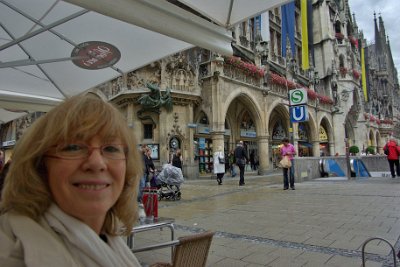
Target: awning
x: 38, y: 39
x: 306, y: 144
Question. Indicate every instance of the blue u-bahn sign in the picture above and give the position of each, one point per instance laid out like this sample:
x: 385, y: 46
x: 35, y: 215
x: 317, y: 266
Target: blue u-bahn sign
x: 298, y: 113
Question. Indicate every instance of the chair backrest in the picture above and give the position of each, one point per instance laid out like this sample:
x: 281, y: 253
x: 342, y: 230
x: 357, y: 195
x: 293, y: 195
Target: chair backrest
x: 192, y: 250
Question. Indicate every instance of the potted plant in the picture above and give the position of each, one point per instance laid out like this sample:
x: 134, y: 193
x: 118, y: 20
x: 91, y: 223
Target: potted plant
x: 370, y: 150
x: 353, y: 150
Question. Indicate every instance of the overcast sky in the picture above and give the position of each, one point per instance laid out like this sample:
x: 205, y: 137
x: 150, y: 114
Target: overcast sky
x: 389, y: 10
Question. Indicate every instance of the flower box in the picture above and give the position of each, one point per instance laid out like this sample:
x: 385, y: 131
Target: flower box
x: 325, y: 99
x: 339, y: 36
x: 343, y: 71
x: 353, y: 41
x: 279, y: 80
x: 311, y: 94
x: 356, y: 74
x: 248, y: 68
x: 386, y: 121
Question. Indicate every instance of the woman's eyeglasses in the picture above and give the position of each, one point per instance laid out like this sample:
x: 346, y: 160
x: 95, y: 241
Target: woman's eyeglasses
x: 83, y: 151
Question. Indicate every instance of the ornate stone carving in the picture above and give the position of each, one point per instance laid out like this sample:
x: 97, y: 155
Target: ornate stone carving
x: 22, y: 124
x: 176, y: 129
x: 149, y: 74
x: 180, y: 72
x: 116, y: 86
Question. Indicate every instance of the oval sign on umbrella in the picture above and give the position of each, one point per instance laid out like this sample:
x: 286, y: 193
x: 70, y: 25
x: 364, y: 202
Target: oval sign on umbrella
x: 94, y: 55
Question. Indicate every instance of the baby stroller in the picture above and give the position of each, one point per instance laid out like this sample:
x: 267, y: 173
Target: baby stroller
x: 168, y: 182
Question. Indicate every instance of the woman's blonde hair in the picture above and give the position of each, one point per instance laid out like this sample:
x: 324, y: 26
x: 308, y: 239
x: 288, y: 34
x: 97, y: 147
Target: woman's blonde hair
x: 26, y: 190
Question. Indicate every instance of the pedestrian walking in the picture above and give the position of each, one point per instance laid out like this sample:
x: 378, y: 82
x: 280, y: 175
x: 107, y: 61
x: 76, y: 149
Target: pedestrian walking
x: 231, y: 157
x: 391, y: 150
x: 142, y: 181
x: 219, y: 164
x: 241, y: 159
x: 149, y: 166
x: 287, y: 150
x: 177, y: 159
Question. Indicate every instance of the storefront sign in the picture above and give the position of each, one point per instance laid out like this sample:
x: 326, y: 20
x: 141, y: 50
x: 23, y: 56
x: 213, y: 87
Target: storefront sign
x: 9, y: 143
x: 202, y: 143
x: 203, y: 129
x: 192, y: 125
x: 323, y: 137
x: 245, y: 133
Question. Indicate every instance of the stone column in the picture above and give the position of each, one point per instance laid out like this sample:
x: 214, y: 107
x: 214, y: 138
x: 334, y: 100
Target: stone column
x: 332, y: 151
x: 315, y: 148
x: 164, y: 140
x: 217, y: 140
x: 192, y: 165
x: 263, y: 154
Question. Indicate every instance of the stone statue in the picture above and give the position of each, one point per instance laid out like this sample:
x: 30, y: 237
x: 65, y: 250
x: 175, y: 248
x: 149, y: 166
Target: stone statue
x: 153, y: 101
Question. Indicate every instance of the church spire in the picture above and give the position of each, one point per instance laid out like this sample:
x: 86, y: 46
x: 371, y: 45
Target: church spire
x: 377, y: 39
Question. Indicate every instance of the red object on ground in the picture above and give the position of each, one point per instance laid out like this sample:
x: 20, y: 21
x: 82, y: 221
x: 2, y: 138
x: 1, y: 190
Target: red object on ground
x: 150, y: 201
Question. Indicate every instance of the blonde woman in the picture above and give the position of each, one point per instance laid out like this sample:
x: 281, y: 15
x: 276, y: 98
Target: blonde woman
x: 71, y: 189
x: 219, y: 164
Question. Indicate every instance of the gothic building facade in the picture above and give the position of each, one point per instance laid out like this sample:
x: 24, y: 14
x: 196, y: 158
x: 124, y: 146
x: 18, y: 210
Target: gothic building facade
x: 197, y: 100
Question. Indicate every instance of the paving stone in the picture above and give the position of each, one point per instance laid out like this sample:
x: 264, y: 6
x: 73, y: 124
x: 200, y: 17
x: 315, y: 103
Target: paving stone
x: 322, y: 223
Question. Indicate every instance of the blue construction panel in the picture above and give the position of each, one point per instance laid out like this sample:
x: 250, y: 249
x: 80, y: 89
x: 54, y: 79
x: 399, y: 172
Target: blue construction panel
x: 333, y: 168
x: 360, y: 169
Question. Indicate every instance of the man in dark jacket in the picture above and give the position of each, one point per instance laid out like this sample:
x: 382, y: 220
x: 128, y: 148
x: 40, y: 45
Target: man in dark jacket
x: 241, y: 159
x: 392, y: 157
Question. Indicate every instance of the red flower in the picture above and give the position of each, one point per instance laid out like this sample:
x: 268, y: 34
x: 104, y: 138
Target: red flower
x: 339, y: 36
x: 311, y: 94
x: 248, y: 68
x: 356, y: 74
x: 279, y: 80
x: 343, y: 70
x: 353, y: 41
x: 387, y: 121
x: 325, y: 99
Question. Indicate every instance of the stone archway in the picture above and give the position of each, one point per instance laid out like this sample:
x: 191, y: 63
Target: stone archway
x: 244, y: 117
x: 326, y: 141
x: 278, y: 129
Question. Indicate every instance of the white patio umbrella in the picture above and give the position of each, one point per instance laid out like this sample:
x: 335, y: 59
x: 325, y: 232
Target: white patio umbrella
x: 52, y: 49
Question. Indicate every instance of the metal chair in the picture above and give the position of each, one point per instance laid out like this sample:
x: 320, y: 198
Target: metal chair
x: 381, y: 239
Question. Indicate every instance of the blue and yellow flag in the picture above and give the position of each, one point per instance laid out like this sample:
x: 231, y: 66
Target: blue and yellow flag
x: 304, y: 35
x: 363, y: 75
x: 288, y: 22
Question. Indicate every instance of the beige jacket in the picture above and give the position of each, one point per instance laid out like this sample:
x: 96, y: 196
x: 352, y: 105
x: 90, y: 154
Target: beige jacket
x: 58, y: 240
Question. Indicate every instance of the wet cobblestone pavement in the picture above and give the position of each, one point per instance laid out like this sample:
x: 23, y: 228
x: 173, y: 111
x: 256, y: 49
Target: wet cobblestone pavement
x: 321, y: 223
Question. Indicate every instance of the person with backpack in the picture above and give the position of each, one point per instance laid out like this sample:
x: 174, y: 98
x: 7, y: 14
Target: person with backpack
x: 241, y: 159
x: 392, y: 152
